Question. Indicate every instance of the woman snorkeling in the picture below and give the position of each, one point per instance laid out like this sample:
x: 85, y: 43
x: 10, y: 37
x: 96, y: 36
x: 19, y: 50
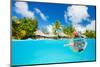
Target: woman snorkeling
x: 78, y: 42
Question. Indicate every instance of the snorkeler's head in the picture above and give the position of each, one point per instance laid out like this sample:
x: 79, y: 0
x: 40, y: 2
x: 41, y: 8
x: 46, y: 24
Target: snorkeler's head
x: 75, y: 33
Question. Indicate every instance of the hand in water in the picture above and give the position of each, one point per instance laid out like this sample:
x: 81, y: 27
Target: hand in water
x: 70, y: 44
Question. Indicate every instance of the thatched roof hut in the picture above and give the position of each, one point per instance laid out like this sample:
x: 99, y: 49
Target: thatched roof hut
x: 40, y: 33
x: 50, y: 35
x: 62, y: 34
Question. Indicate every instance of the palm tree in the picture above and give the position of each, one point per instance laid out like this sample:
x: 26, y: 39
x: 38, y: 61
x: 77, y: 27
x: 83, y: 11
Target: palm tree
x: 24, y: 28
x: 56, y: 27
x: 90, y: 34
x: 69, y: 30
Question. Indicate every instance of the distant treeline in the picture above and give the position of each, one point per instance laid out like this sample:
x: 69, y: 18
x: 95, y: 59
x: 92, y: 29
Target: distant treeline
x: 25, y: 28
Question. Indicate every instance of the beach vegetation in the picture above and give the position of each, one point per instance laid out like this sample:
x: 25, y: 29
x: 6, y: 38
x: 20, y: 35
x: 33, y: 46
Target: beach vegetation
x: 24, y: 28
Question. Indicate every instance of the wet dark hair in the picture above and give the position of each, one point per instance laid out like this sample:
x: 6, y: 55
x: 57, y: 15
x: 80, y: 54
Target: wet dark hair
x: 76, y: 36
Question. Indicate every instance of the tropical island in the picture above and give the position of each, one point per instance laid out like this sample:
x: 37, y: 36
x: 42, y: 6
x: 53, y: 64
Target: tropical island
x: 52, y: 33
x: 25, y: 28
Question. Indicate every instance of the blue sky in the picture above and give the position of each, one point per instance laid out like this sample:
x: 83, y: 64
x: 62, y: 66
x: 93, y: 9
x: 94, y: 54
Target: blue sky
x: 47, y: 13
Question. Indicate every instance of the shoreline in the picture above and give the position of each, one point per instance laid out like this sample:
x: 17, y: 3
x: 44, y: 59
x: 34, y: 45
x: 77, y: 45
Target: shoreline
x: 46, y: 39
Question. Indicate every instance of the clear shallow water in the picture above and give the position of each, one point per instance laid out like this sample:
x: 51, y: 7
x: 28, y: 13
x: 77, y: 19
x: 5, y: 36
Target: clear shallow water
x: 27, y: 52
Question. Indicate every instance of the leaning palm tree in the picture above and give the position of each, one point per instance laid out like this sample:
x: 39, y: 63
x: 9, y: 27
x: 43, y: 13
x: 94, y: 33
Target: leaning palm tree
x: 57, y: 24
x: 56, y: 27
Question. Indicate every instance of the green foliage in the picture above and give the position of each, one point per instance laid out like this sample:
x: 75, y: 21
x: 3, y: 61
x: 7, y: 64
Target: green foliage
x: 56, y: 27
x: 90, y: 34
x: 57, y: 24
x: 68, y: 30
x: 23, y: 28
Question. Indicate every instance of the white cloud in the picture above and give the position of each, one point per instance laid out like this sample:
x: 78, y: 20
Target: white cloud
x: 22, y: 8
x: 66, y: 17
x: 76, y: 14
x: 90, y: 26
x: 80, y: 28
x: 38, y: 11
x: 49, y: 28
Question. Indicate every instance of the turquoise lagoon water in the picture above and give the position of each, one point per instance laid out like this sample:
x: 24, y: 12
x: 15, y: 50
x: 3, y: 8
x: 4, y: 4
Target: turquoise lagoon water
x: 25, y: 52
